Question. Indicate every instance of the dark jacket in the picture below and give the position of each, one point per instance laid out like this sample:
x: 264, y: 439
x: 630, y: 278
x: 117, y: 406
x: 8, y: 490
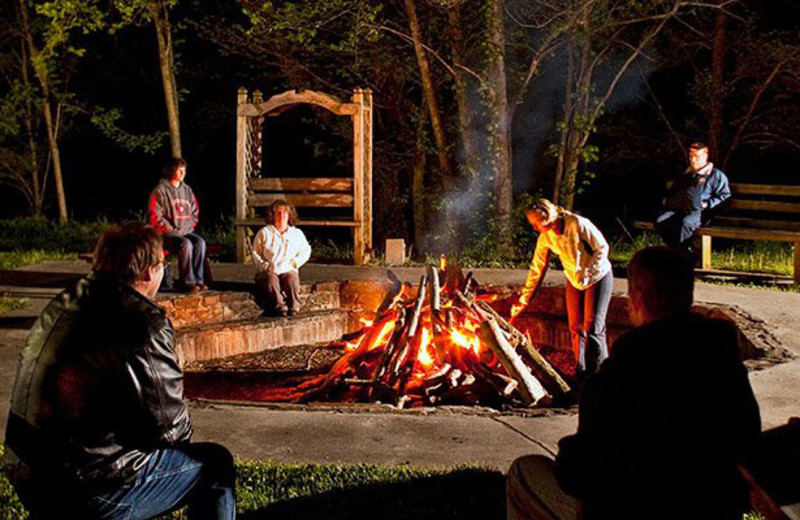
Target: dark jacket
x: 688, y: 191
x: 662, y: 425
x: 98, y: 388
x: 173, y: 209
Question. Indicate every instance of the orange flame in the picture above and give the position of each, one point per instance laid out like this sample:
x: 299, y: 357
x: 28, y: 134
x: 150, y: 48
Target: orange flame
x: 442, y: 262
x: 470, y: 342
x: 424, y: 357
x: 383, y: 334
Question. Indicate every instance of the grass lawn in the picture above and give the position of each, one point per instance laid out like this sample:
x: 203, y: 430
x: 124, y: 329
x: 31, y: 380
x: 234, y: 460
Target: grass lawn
x: 274, y: 491
x: 16, y: 259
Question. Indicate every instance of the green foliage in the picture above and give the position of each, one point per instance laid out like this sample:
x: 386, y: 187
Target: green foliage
x: 7, y: 303
x: 15, y: 259
x: 136, y: 12
x: 756, y: 257
x: 623, y: 248
x: 63, y: 19
x: 26, y: 234
x: 747, y: 256
x: 332, y: 25
x: 486, y: 247
x: 106, y: 121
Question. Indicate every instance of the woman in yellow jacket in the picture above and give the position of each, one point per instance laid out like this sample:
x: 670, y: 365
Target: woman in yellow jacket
x: 584, y: 255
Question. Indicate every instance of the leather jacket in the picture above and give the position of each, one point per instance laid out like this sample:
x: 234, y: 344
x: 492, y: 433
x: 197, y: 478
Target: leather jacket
x: 98, y: 388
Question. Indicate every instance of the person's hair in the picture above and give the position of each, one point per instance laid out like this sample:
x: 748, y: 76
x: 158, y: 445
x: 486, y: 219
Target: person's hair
x: 697, y: 145
x: 664, y: 280
x: 547, y: 211
x: 273, y: 208
x: 172, y: 166
x: 127, y: 251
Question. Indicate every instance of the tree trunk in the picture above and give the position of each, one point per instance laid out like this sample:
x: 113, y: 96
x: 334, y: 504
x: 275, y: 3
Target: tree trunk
x: 717, y: 102
x: 579, y: 123
x: 418, y: 186
x: 428, y: 89
x: 37, y: 188
x: 500, y: 131
x: 160, y: 16
x: 460, y: 87
x: 40, y: 70
x: 566, y: 124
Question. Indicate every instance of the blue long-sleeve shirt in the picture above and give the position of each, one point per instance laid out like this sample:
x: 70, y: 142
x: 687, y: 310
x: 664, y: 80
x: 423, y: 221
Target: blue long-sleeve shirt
x: 690, y: 190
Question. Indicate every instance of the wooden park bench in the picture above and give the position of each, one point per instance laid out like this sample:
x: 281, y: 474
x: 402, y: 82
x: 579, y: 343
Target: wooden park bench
x: 754, y: 212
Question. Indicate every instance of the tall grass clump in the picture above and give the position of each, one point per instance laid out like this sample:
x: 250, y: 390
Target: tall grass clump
x: 756, y: 257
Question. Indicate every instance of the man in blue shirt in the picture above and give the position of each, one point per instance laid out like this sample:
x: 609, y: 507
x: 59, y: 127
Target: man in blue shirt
x: 699, y: 189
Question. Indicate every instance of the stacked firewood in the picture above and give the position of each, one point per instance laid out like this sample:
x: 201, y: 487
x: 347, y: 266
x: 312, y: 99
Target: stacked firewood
x: 440, y: 344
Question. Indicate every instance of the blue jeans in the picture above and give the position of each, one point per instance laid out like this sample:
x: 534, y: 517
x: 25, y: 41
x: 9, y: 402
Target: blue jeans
x: 677, y: 227
x: 200, y: 475
x: 191, y: 252
x: 586, y: 311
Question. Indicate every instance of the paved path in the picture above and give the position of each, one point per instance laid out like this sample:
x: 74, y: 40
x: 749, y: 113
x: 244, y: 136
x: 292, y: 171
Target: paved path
x: 439, y: 438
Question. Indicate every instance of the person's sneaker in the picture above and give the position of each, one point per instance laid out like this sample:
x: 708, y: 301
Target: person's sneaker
x: 203, y: 287
x: 194, y: 289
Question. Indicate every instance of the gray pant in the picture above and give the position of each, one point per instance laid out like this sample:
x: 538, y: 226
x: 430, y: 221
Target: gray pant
x: 280, y: 292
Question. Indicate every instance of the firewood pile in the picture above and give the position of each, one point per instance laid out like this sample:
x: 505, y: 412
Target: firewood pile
x: 438, y: 343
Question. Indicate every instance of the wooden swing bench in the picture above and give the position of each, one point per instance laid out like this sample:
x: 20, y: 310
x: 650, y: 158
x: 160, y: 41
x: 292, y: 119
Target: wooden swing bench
x: 350, y: 197
x: 754, y: 212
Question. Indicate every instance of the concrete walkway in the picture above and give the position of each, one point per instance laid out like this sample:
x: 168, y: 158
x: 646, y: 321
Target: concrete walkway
x: 439, y: 437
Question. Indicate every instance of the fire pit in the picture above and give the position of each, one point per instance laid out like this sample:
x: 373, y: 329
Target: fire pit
x: 443, y: 341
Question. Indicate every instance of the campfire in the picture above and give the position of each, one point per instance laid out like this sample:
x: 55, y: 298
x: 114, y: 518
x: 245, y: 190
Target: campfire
x: 437, y: 343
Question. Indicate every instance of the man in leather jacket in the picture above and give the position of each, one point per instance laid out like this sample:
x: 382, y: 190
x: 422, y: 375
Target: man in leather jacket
x: 98, y: 427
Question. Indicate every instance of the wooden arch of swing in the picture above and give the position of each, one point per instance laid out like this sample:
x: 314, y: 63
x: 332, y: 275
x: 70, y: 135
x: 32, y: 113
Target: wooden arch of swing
x: 254, y: 192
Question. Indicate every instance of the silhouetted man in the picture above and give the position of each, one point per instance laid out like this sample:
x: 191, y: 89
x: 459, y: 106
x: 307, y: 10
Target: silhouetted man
x: 662, y: 424
x: 98, y: 427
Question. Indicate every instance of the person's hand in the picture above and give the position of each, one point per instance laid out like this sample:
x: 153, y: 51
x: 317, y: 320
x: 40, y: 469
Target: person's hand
x: 705, y: 205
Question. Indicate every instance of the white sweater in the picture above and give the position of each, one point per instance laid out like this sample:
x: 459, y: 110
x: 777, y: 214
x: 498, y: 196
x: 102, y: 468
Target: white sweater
x: 582, y: 249
x: 279, y: 253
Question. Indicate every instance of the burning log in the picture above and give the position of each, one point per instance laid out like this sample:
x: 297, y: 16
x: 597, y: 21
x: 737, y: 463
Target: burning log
x: 530, y: 388
x: 544, y: 369
x: 386, y: 358
x: 468, y: 283
x: 445, y: 346
x: 407, y: 357
x: 389, y: 299
x: 436, y: 298
x: 453, y: 277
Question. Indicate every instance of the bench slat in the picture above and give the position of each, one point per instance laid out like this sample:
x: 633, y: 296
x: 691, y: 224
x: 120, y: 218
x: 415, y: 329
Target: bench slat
x: 765, y: 189
x: 750, y: 234
x: 757, y: 205
x: 295, y: 184
x: 752, y: 223
x: 318, y: 200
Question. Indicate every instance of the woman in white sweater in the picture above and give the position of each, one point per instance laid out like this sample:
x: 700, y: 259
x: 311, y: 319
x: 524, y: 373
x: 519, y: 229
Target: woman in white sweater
x: 279, y: 250
x: 584, y: 255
